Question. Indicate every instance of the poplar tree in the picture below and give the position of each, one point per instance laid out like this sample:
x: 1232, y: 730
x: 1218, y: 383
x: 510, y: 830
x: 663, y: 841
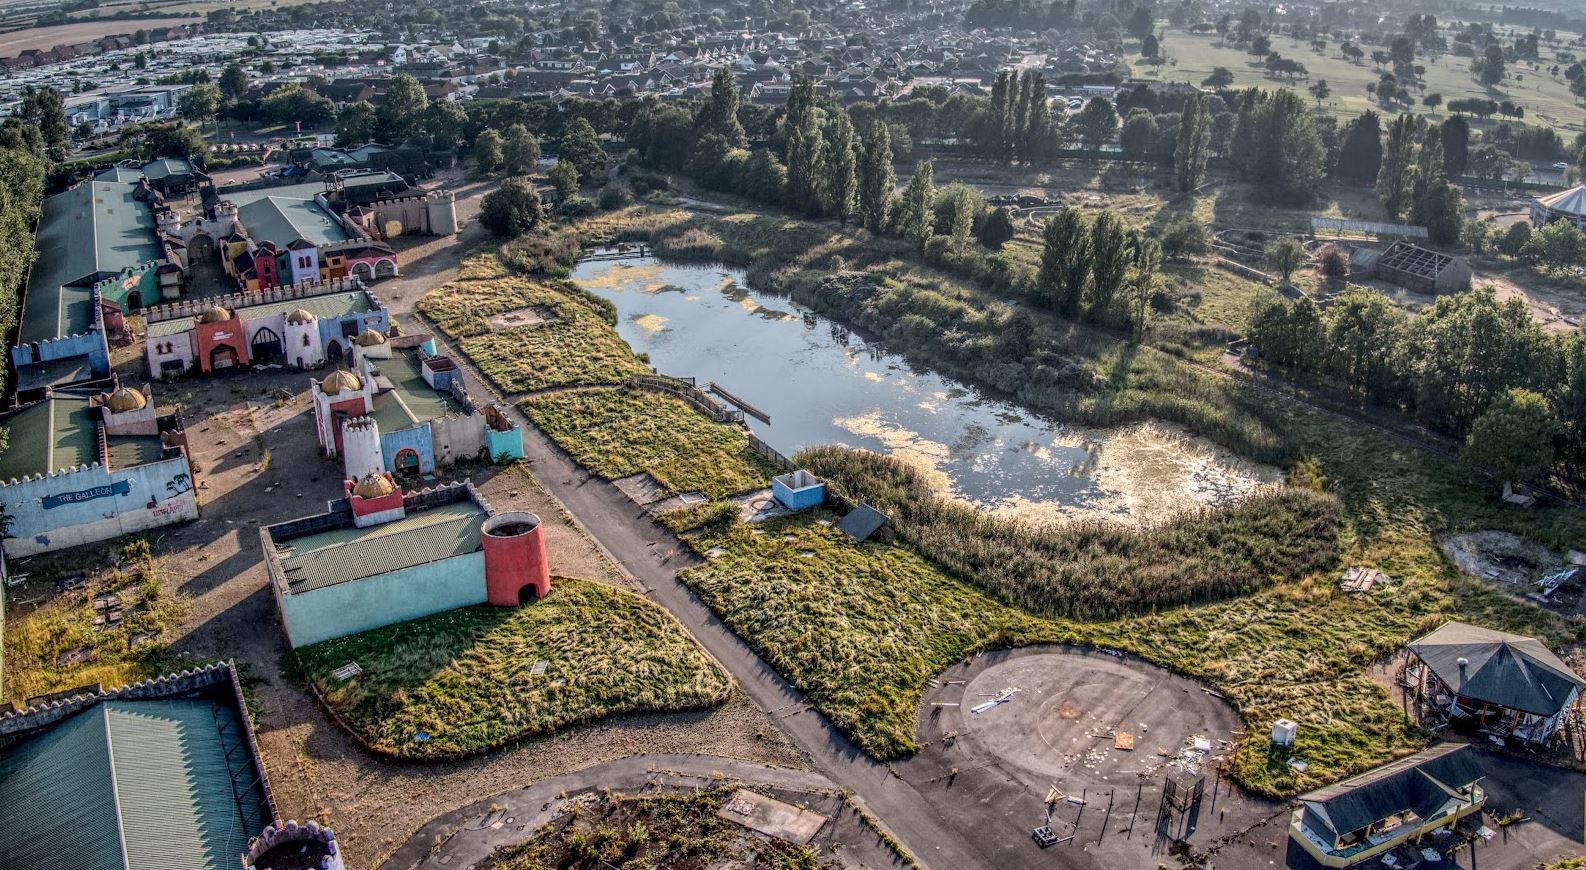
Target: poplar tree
x: 1398, y: 163
x: 720, y: 114
x: 1194, y: 142
x: 1065, y: 261
x: 876, y: 178
x: 841, y: 171
x: 801, y: 127
x: 1142, y: 283
x: 916, y: 225
x: 1110, y: 261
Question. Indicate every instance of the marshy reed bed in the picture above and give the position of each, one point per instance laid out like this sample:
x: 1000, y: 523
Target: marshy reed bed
x: 618, y: 432
x: 465, y: 678
x: 1094, y: 568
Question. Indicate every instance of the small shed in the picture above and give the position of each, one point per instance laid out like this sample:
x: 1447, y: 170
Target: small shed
x: 1507, y: 685
x: 862, y: 522
x: 798, y: 490
x: 1417, y: 268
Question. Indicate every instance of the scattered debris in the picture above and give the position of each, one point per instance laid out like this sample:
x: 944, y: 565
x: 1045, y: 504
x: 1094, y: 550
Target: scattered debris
x: 1003, y: 698
x: 538, y: 670
x: 347, y: 671
x: 1123, y: 740
x: 1359, y: 581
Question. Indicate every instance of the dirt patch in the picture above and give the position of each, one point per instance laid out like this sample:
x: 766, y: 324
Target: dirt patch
x: 1521, y: 567
x: 536, y: 315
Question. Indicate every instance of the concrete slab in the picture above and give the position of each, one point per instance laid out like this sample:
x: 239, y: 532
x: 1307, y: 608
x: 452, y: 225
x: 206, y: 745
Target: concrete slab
x: 772, y: 817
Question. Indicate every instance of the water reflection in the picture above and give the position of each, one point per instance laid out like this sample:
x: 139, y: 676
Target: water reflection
x: 821, y: 384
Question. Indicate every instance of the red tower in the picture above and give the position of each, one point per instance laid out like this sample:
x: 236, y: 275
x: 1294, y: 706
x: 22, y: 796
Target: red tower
x: 516, y: 571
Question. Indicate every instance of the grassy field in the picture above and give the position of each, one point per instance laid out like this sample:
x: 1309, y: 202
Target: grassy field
x: 51, y: 642
x: 465, y: 678
x: 45, y: 38
x: 1546, y: 99
x: 680, y: 831
x: 579, y: 346
x: 616, y: 432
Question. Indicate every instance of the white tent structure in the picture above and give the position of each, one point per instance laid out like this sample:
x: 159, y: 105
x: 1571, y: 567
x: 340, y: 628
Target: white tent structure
x: 1569, y: 205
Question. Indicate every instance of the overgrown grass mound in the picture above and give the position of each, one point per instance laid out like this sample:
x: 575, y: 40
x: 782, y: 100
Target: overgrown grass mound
x: 1095, y: 569
x: 576, y: 345
x: 618, y: 432
x: 681, y: 831
x: 465, y: 678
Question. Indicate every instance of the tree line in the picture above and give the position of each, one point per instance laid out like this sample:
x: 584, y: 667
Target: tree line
x: 27, y: 140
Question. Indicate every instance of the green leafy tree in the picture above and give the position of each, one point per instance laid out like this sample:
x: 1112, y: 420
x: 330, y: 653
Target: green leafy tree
x: 720, y: 114
x: 1557, y: 247
x: 356, y: 125
x: 1138, y: 135
x: 1096, y: 124
x: 401, y: 111
x: 997, y: 229
x: 1360, y: 156
x: 45, y: 110
x: 1455, y: 136
x: 233, y: 82
x: 1289, y: 335
x: 520, y: 151
x: 200, y: 104
x: 446, y: 124
x: 564, y: 177
x: 1065, y: 262
x: 1142, y: 284
x: 581, y: 147
x: 765, y: 178
x: 876, y: 178
x: 1513, y: 438
x: 915, y: 219
x: 1111, y: 258
x: 801, y: 129
x: 1285, y: 256
x: 1397, y: 176
x: 1513, y: 241
x: 488, y: 152
x: 1192, y: 150
x: 512, y: 209
x: 840, y: 174
x: 1363, y: 330
x: 1287, y: 158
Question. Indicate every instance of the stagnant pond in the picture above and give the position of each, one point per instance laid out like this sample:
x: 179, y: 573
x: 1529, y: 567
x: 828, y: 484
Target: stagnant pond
x: 822, y: 384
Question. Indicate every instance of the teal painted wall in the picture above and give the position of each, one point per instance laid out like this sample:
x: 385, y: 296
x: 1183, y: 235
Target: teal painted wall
x: 360, y: 605
x: 510, y: 443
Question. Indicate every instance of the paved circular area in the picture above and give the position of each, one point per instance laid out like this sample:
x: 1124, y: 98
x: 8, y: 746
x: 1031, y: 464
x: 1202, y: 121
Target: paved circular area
x: 1075, y: 712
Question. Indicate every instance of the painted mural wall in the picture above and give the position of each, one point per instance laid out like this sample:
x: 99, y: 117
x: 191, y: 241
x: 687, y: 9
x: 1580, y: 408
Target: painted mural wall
x: 69, y: 508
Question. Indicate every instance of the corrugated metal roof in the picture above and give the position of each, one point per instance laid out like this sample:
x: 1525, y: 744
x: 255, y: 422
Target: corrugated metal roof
x: 58, y: 432
x: 96, y: 228
x: 284, y: 220
x: 155, y: 771
x: 1508, y: 670
x: 350, y: 553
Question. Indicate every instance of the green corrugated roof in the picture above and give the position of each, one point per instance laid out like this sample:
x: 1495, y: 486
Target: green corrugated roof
x: 127, y: 451
x: 412, y: 400
x: 156, y: 772
x: 95, y: 229
x: 165, y: 328
x: 284, y: 220
x: 350, y: 553
x: 58, y: 432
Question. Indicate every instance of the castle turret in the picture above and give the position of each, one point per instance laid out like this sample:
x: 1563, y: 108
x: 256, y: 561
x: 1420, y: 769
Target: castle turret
x: 360, y: 446
x: 442, y: 208
x: 294, y: 847
x: 374, y: 499
x: 516, y: 570
x: 303, y: 346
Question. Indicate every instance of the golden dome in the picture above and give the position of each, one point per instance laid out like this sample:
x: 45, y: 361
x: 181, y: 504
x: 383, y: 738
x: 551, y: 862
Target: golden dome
x: 125, y: 399
x: 340, y: 380
x: 370, y: 337
x: 300, y: 315
x: 214, y: 315
x: 373, y: 486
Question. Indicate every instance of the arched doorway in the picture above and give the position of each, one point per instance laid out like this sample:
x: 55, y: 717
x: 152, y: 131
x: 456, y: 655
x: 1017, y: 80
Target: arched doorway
x: 134, y: 300
x: 363, y: 271
x: 223, y: 357
x: 406, y: 461
x: 333, y: 351
x: 385, y: 268
x: 528, y: 594
x: 267, y: 346
x: 202, y: 247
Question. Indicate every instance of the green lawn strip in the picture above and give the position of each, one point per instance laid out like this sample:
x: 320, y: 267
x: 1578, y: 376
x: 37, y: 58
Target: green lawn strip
x: 618, y: 432
x: 36, y: 635
x: 465, y: 676
x: 670, y: 831
x: 579, y: 346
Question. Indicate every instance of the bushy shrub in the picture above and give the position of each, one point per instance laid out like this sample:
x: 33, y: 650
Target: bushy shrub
x: 612, y: 197
x: 1333, y: 262
x: 576, y: 207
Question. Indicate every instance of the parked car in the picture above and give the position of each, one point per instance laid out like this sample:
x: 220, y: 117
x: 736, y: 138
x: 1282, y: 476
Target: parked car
x: 1561, y: 165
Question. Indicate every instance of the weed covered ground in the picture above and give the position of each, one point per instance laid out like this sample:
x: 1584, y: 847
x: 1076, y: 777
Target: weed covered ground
x: 466, y: 679
x: 618, y: 432
x: 678, y: 831
x: 575, y: 344
x: 103, y: 627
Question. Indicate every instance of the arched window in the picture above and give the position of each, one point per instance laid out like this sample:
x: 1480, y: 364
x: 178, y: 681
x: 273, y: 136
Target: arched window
x: 306, y: 342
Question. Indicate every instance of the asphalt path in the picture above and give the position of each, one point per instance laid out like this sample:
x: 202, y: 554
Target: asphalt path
x: 652, y: 555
